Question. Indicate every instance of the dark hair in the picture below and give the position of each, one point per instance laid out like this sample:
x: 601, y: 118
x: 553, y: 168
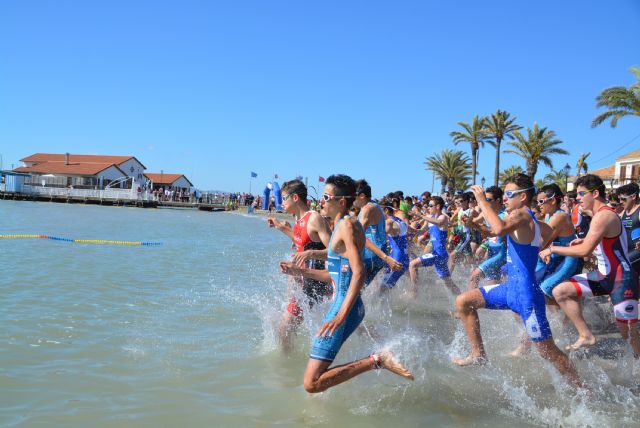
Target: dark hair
x: 628, y: 189
x: 344, y: 185
x: 437, y: 200
x: 426, y: 195
x: 295, y: 187
x: 572, y: 194
x: 592, y: 182
x: 363, y: 187
x: 552, y: 191
x: 495, y: 191
x: 523, y: 181
x: 464, y: 196
x: 388, y: 210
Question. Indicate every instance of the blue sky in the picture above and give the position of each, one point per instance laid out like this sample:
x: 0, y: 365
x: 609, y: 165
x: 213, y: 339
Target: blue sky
x: 217, y: 89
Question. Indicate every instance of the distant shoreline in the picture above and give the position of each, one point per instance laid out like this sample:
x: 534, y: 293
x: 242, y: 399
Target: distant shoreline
x: 265, y: 214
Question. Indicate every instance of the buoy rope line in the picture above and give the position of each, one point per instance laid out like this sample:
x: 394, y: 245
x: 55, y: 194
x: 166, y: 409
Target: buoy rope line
x: 79, y: 241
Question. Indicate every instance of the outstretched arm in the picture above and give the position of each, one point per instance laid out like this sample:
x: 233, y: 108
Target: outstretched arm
x: 283, y: 227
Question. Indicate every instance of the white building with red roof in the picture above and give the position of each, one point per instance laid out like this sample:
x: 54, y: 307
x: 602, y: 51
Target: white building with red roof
x: 82, y: 171
x: 163, y: 179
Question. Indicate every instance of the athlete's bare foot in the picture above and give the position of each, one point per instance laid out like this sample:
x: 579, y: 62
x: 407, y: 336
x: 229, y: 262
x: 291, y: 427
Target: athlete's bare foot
x: 471, y: 360
x: 520, y: 350
x: 386, y: 360
x: 582, y: 342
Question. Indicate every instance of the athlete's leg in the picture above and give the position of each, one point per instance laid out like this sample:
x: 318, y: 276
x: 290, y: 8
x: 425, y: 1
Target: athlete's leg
x: 467, y: 305
x: 448, y: 282
x: 287, y: 330
x: 318, y: 377
x: 550, y: 352
x: 629, y: 331
x: 453, y: 258
x: 566, y: 295
x: 475, y: 278
x: 413, y: 275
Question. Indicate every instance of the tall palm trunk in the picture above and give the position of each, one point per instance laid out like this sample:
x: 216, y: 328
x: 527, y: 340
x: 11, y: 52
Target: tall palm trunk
x: 474, y: 164
x: 496, y: 174
x: 532, y: 168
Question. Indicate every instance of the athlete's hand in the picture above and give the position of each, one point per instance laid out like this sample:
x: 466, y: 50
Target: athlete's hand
x: 478, y: 192
x: 289, y: 268
x: 545, y: 255
x: 272, y: 222
x: 330, y: 326
x: 393, y: 263
x: 301, y: 257
x: 576, y: 241
x: 638, y: 245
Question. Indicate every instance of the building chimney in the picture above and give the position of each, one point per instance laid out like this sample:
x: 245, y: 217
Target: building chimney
x: 66, y: 158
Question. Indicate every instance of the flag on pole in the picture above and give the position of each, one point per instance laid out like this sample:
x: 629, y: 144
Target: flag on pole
x: 253, y: 174
x: 321, y: 179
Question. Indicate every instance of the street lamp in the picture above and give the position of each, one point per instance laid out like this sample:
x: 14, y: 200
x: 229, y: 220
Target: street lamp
x: 482, y: 181
x: 565, y: 171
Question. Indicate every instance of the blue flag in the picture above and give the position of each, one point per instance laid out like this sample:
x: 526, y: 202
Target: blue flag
x: 253, y: 174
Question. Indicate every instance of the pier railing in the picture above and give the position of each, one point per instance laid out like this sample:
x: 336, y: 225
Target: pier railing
x: 121, y: 194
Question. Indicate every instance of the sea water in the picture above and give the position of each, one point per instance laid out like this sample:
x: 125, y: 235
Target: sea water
x: 185, y: 334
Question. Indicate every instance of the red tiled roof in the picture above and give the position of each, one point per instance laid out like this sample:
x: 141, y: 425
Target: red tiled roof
x: 164, y: 178
x: 633, y: 155
x: 59, y: 157
x: 71, y: 169
x: 606, y: 172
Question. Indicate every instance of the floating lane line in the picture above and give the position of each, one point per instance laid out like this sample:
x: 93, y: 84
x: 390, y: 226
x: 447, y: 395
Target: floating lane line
x: 81, y: 241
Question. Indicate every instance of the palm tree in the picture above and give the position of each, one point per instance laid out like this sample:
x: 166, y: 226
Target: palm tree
x: 581, y: 164
x: 621, y: 102
x: 536, y: 147
x: 450, y: 166
x: 557, y: 177
x: 499, y: 126
x: 509, y: 172
x: 473, y: 134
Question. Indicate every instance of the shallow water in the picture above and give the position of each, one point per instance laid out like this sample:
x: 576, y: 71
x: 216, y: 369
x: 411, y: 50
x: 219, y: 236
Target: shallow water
x: 184, y: 334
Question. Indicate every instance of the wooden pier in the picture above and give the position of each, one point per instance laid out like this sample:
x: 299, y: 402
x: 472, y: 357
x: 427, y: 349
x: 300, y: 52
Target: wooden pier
x: 122, y: 202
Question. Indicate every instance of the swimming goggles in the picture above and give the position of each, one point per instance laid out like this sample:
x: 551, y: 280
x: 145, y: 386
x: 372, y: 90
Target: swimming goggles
x: 511, y: 193
x: 327, y: 198
x: 544, y: 201
x: 584, y: 192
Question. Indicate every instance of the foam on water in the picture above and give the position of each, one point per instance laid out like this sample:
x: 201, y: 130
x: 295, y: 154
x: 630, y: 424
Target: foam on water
x: 424, y: 336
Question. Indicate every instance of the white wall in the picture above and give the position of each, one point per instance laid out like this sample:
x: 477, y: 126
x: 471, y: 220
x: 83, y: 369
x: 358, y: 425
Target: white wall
x: 181, y: 182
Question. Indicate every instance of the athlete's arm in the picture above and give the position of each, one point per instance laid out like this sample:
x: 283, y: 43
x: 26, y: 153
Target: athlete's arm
x: 283, y: 227
x: 350, y: 234
x: 290, y: 268
x: 393, y: 263
x: 440, y: 221
x: 318, y: 224
x: 369, y: 216
x: 392, y: 227
x: 585, y: 247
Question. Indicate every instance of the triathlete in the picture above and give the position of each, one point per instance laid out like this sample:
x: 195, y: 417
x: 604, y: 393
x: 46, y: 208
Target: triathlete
x: 558, y: 268
x: 438, y: 257
x: 462, y: 212
x: 496, y: 246
x: 309, y: 234
x: 628, y: 196
x: 520, y: 293
x: 346, y: 272
x: 372, y: 220
x: 397, y: 230
x: 614, y: 276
